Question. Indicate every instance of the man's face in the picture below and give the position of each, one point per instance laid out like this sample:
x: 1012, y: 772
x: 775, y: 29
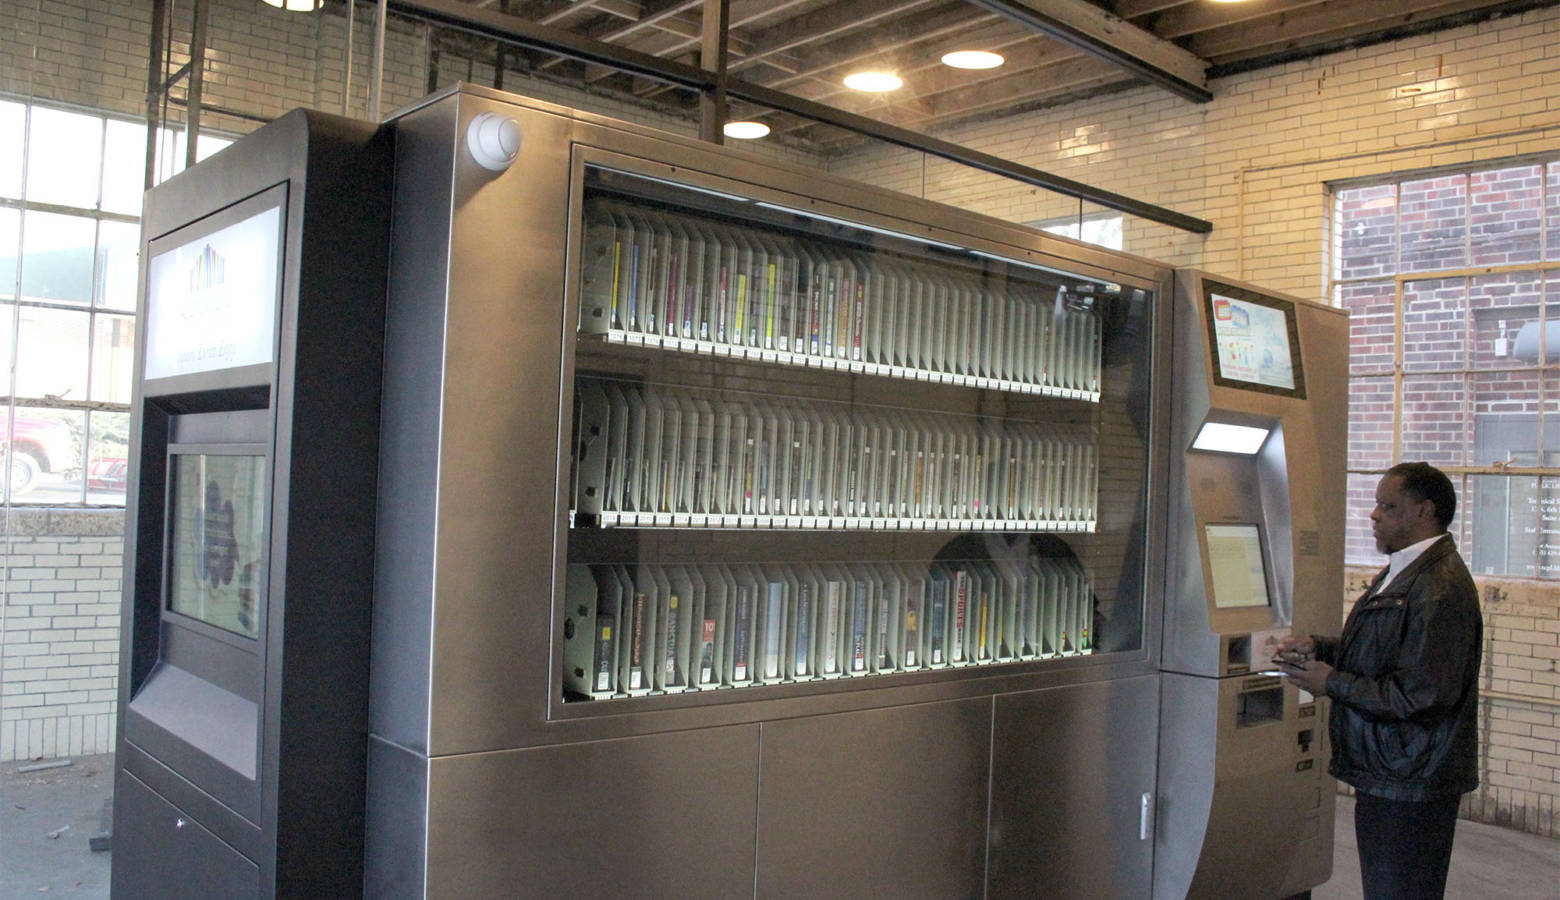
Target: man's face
x: 1399, y: 520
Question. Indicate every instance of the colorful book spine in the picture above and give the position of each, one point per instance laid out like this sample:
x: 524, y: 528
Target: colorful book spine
x: 742, y: 634
x: 707, y: 652
x: 636, y: 647
x: 800, y: 653
x: 670, y: 674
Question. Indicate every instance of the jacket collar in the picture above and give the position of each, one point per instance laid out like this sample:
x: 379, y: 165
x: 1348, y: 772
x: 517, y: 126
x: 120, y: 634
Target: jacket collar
x: 1399, y: 585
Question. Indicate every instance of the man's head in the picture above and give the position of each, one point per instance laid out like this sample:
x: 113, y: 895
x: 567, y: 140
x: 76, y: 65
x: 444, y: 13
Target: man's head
x: 1414, y: 501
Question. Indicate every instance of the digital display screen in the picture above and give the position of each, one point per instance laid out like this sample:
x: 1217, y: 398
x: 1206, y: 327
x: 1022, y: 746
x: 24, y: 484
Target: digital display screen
x: 1254, y: 340
x: 211, y: 298
x: 217, y: 539
x: 1235, y: 563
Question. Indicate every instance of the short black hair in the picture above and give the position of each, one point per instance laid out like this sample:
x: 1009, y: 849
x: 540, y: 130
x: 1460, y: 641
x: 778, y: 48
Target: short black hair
x: 1423, y: 481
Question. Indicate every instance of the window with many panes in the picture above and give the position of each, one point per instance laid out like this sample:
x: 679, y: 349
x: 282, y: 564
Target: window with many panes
x: 1452, y: 283
x: 70, y: 205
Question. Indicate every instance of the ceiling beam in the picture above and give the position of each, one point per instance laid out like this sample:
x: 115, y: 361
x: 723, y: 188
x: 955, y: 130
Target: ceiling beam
x: 1336, y: 19
x: 1187, y: 20
x: 1131, y: 9
x: 1098, y: 33
x: 485, y: 23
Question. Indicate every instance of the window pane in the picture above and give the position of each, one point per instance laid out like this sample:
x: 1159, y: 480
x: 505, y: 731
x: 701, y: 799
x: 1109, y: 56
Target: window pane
x: 1501, y: 305
x: 1359, y: 548
x: 43, y: 463
x: 113, y: 357
x: 124, y: 167
x: 57, y: 258
x: 1435, y: 325
x: 10, y: 235
x: 1505, y: 210
x: 1370, y: 422
x: 1433, y: 215
x: 1550, y: 451
x: 1549, y: 527
x: 1552, y: 212
x: 13, y: 116
x: 1372, y: 324
x: 108, y: 457
x: 63, y: 151
x: 1500, y: 517
x: 1367, y: 237
x: 119, y: 248
x: 7, y: 342
x: 1505, y: 418
x: 1435, y: 428
x: 51, y: 353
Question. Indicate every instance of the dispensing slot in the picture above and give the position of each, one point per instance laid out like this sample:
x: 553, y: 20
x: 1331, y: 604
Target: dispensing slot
x: 1260, y: 700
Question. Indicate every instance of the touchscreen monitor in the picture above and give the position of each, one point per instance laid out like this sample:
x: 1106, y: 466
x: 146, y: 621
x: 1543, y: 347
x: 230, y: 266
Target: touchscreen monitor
x: 217, y: 538
x: 1254, y: 341
x: 1235, y: 564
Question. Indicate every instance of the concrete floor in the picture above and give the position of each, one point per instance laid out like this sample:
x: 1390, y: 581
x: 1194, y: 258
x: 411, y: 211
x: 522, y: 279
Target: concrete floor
x: 49, y: 815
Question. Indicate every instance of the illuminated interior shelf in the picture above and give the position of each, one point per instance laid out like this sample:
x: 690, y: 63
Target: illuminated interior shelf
x: 700, y: 347
x: 869, y: 673
x: 616, y: 519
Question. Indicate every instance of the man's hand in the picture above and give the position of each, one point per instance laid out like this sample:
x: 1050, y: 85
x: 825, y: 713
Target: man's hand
x: 1295, y: 647
x: 1309, y: 674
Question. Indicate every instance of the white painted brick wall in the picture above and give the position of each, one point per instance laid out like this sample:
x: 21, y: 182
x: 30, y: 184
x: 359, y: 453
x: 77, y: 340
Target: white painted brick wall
x: 1255, y: 162
x: 59, y: 632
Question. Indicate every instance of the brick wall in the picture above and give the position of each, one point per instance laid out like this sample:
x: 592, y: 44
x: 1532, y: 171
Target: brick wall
x: 59, y: 631
x: 1256, y: 162
x: 1519, y: 708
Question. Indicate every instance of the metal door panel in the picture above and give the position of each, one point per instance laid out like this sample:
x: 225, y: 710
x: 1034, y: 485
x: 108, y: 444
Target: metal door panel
x: 1070, y: 767
x: 667, y: 815
x: 887, y: 802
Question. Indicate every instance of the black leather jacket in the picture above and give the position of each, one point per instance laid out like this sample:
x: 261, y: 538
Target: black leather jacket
x: 1405, y: 691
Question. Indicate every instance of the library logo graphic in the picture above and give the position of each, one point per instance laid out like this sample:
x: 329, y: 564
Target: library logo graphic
x: 208, y: 272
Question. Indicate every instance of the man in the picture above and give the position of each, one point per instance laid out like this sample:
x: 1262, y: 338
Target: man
x: 1403, y: 679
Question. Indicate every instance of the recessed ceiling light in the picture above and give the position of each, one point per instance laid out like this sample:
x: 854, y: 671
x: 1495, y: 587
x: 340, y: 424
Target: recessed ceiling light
x: 972, y: 59
x: 745, y: 131
x: 296, y: 5
x: 1229, y: 1
x: 873, y: 82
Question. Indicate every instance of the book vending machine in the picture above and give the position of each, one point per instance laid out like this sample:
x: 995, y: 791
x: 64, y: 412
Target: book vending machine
x: 746, y: 531
x: 249, y: 519
x: 1258, y: 439
x: 532, y: 503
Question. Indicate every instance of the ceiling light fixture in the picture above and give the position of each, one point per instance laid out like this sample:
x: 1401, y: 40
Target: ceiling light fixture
x: 972, y: 59
x: 745, y: 131
x: 295, y: 5
x: 873, y: 82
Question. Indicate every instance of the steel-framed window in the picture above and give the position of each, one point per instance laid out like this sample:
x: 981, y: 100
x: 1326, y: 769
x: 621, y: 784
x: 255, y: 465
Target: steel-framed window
x: 1452, y: 282
x: 71, y: 182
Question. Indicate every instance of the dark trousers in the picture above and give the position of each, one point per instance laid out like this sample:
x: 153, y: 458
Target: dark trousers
x: 1405, y: 846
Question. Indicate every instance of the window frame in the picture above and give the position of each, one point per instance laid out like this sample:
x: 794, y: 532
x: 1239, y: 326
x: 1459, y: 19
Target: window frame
x: 1469, y: 370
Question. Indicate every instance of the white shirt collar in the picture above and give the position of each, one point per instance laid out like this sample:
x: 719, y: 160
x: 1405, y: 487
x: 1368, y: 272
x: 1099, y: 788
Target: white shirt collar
x: 1397, y: 562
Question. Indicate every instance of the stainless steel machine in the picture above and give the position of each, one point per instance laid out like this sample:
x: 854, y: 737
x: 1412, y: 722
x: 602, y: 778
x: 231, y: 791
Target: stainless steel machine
x: 249, y: 519
x: 737, y: 531
x: 1258, y: 434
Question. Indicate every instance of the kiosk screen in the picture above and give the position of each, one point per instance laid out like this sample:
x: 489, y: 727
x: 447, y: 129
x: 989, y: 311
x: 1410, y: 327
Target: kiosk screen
x: 217, y: 539
x: 1235, y: 563
x: 211, y: 294
x: 1255, y: 342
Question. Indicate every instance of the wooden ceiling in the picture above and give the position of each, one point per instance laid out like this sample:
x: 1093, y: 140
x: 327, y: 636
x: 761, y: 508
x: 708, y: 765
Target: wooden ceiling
x: 1057, y: 51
